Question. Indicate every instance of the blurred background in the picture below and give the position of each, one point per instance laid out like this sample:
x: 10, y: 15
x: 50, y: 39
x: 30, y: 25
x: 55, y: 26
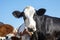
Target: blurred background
x: 8, y: 6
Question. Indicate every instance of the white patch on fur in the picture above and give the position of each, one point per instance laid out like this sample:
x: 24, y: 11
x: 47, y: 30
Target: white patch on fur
x: 15, y: 31
x: 10, y: 35
x: 29, y: 13
x: 3, y: 38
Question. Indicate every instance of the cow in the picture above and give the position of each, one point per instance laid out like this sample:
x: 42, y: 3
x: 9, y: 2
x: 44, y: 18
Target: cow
x: 28, y: 18
x: 37, y: 22
x: 24, y: 33
x: 5, y: 30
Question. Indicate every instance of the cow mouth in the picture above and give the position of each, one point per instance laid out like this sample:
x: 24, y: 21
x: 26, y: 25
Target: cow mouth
x: 30, y: 30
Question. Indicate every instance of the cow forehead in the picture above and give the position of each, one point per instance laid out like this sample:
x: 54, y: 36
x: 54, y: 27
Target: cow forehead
x: 29, y: 11
x: 29, y: 7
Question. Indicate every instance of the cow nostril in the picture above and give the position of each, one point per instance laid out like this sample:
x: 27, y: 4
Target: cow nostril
x: 30, y: 29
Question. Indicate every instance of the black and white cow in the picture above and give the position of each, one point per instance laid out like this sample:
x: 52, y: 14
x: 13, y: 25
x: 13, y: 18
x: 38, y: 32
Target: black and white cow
x: 29, y: 20
x: 37, y: 22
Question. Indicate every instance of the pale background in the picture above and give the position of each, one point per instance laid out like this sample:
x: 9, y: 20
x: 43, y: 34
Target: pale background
x: 8, y: 6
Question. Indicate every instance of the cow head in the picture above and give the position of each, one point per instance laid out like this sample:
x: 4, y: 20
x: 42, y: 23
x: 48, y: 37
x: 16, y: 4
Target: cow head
x: 12, y: 34
x: 28, y: 14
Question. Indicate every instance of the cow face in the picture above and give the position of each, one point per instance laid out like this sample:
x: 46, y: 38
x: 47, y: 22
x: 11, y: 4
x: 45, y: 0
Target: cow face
x: 8, y: 36
x: 28, y: 14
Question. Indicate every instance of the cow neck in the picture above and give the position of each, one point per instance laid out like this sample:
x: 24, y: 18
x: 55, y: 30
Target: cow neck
x: 43, y: 24
x: 40, y: 22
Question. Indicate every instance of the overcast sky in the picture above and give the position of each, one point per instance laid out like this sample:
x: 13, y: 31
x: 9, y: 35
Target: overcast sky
x: 8, y: 6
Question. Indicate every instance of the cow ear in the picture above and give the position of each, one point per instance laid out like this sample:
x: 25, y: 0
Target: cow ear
x: 17, y: 14
x: 41, y: 11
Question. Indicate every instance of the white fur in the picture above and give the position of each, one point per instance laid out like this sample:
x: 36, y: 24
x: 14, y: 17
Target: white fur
x: 11, y: 34
x: 29, y: 13
x: 15, y: 30
x: 3, y: 38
